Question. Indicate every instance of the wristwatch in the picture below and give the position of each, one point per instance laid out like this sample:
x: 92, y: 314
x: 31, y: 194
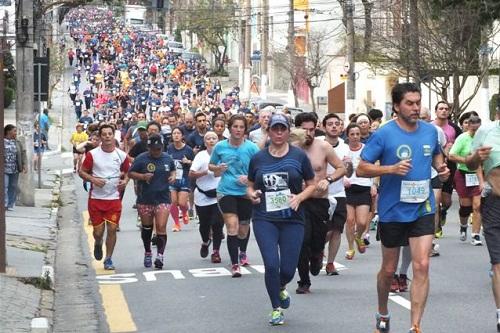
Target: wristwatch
x: 330, y: 179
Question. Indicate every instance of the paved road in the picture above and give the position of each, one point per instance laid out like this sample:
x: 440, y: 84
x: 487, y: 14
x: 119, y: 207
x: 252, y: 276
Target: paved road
x: 193, y: 295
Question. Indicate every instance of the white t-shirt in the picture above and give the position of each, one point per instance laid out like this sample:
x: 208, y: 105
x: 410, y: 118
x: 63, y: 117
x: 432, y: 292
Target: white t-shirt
x: 442, y: 142
x: 336, y: 188
x: 207, y: 182
x: 355, y: 156
x: 256, y: 135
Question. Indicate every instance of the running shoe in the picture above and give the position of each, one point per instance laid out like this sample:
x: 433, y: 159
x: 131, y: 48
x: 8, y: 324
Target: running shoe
x: 284, y: 299
x: 463, y: 234
x: 360, y: 244
x: 349, y: 254
x: 330, y: 269
x: 159, y: 262
x: 382, y: 325
x: 366, y: 239
x: 108, y: 264
x: 204, y: 249
x: 277, y: 318
x: 303, y: 289
x: 244, y: 259
x: 498, y: 323
x: 395, y: 284
x: 374, y: 222
x: 154, y: 240
x: 439, y: 233
x: 476, y: 240
x: 176, y: 228
x: 434, y: 250
x: 97, y: 251
x: 148, y: 259
x: 316, y: 264
x: 415, y: 329
x: 403, y: 283
x: 191, y: 214
x: 235, y: 270
x: 216, y: 259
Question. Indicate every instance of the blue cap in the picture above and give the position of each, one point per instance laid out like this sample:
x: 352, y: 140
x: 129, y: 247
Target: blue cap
x: 279, y: 119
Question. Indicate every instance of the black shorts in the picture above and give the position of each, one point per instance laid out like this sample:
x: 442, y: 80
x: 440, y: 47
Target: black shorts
x: 357, y: 195
x: 436, y: 184
x: 76, y: 151
x: 239, y: 205
x: 395, y: 234
x: 448, y: 184
x: 490, y: 213
x: 339, y: 216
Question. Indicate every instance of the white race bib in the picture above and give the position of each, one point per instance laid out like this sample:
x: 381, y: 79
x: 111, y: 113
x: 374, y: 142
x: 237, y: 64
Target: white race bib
x: 471, y: 180
x: 414, y: 191
x: 178, y: 170
x: 278, y: 200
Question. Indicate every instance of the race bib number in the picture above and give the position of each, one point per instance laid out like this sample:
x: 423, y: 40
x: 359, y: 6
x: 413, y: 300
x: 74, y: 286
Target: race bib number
x: 278, y: 200
x: 414, y: 191
x: 471, y: 180
x: 178, y: 170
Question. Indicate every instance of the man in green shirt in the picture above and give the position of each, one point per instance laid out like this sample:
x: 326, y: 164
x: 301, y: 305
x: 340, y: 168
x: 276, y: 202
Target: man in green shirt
x: 486, y: 150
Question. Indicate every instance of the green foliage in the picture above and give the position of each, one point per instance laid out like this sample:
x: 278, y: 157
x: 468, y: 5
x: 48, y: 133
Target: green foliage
x: 177, y: 35
x: 8, y: 96
x: 495, y: 99
x: 489, y: 10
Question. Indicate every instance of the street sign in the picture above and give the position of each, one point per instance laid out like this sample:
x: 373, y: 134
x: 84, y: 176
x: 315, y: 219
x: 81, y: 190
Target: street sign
x: 41, y: 78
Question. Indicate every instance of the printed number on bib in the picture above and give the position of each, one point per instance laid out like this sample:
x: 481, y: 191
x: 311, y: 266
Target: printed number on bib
x: 414, y: 191
x: 278, y: 200
x: 471, y: 180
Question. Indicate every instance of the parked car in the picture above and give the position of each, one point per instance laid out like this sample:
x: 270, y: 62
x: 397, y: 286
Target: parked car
x: 187, y: 56
x: 175, y: 47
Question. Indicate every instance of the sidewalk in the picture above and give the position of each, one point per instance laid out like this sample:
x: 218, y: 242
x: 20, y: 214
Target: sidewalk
x: 26, y: 287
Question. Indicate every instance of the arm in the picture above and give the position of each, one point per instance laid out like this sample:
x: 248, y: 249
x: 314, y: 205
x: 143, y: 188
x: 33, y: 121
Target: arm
x: 370, y: 170
x: 334, y: 160
x: 440, y: 166
x: 473, y: 161
x: 86, y: 174
x: 297, y: 199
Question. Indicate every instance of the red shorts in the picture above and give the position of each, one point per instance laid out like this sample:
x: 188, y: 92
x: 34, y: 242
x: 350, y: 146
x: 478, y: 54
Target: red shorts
x: 151, y: 210
x: 101, y: 211
x: 464, y: 191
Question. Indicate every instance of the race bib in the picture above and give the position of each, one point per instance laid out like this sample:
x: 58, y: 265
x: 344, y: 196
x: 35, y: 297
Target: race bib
x: 414, y: 191
x: 278, y: 200
x: 471, y: 180
x: 178, y: 170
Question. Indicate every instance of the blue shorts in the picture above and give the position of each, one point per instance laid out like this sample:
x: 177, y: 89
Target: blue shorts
x: 180, y: 185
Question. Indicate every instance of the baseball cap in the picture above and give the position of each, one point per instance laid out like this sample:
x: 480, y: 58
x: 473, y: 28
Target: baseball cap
x: 155, y: 141
x: 142, y: 125
x: 279, y: 119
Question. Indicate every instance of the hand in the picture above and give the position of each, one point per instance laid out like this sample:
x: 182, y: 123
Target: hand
x: 373, y: 191
x: 147, y: 177
x: 122, y: 184
x: 322, y: 185
x: 347, y: 183
x: 295, y: 201
x: 255, y: 197
x: 443, y: 172
x: 99, y: 182
x: 171, y: 179
x: 243, y: 180
x: 185, y: 160
x: 483, y: 152
x: 222, y: 167
x: 402, y: 168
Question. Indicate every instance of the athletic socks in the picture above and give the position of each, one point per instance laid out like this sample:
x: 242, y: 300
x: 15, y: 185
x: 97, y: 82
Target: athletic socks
x: 243, y: 243
x: 146, y: 233
x: 162, y: 242
x: 174, y: 212
x: 232, y: 248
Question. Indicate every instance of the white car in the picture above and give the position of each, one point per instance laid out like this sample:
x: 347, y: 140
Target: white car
x: 175, y: 47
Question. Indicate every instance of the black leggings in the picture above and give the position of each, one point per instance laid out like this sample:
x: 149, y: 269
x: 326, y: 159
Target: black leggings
x: 210, y: 217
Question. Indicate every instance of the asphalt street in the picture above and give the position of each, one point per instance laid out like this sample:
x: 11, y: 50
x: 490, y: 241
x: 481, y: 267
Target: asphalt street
x: 193, y: 295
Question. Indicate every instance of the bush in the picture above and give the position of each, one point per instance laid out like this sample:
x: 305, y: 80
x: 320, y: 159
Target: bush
x: 8, y: 97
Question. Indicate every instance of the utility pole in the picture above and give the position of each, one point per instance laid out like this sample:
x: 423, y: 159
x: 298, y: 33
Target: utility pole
x: 351, y: 82
x: 3, y: 247
x: 264, y: 49
x: 291, y: 50
x: 248, y: 46
x: 241, y: 39
x: 24, y: 95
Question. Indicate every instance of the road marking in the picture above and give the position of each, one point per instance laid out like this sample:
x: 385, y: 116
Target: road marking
x: 400, y: 300
x: 113, y: 300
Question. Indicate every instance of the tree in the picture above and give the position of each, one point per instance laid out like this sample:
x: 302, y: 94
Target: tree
x: 439, y: 43
x: 212, y: 23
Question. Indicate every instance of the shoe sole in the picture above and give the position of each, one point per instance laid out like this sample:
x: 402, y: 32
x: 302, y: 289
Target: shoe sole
x: 236, y: 275
x: 332, y: 273
x: 158, y: 264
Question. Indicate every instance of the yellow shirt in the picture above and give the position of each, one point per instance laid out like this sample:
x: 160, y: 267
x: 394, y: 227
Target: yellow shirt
x: 77, y: 138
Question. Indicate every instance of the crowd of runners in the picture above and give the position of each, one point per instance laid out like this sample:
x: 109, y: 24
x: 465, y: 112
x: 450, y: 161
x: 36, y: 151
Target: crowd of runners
x: 194, y: 150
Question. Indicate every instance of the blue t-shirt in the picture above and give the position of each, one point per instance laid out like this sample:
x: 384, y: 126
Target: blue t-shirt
x: 274, y: 177
x: 157, y: 191
x: 182, y: 170
x: 237, y: 160
x: 389, y: 145
x: 196, y: 140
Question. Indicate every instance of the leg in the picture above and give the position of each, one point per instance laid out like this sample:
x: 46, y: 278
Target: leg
x: 161, y: 218
x: 334, y: 239
x: 476, y: 217
x: 204, y: 217
x: 362, y: 216
x: 12, y: 189
x: 183, y: 198
x: 390, y: 257
x: 110, y: 238
x: 232, y: 225
x: 290, y: 240
x: 305, y: 253
x: 217, y: 226
x: 349, y: 230
x: 420, y: 247
x: 174, y: 209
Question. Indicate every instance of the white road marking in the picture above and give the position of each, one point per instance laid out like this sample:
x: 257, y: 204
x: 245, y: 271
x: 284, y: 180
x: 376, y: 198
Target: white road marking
x: 400, y: 300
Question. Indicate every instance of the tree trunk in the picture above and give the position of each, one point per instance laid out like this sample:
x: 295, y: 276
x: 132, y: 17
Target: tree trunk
x: 455, y: 110
x: 311, y: 91
x: 368, y: 6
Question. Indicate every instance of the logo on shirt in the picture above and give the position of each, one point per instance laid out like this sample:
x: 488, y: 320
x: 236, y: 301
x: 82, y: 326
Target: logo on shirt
x: 404, y: 152
x: 151, y: 167
x: 275, y: 181
x: 427, y: 150
x: 167, y: 167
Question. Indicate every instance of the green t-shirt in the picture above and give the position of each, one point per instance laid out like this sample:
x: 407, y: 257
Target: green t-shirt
x: 462, y: 147
x: 489, y: 135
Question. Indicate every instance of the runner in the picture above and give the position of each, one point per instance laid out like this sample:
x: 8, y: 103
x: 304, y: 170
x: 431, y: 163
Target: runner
x: 105, y: 168
x: 406, y: 202
x: 316, y: 208
x: 205, y: 199
x: 275, y: 179
x: 182, y: 155
x: 230, y: 159
x: 486, y: 151
x: 153, y: 170
x: 79, y: 136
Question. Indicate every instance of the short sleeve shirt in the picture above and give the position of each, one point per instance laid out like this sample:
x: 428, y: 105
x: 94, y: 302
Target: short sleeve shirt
x: 462, y: 147
x: 205, y: 183
x: 391, y: 144
x: 489, y: 135
x: 277, y: 177
x: 181, y: 169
